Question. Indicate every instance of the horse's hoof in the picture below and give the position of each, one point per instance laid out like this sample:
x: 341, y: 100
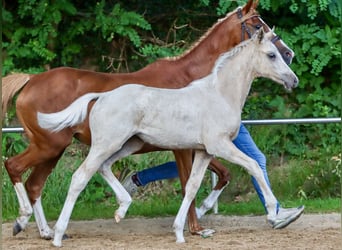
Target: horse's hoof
x: 205, y: 233
x: 16, y: 228
x: 66, y: 237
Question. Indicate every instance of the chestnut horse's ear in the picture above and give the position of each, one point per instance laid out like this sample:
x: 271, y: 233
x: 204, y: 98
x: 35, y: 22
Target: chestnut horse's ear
x: 251, y: 5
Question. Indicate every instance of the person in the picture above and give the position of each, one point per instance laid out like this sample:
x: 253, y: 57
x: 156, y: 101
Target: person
x: 245, y: 143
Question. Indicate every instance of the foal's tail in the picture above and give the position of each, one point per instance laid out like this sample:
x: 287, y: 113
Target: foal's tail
x: 68, y: 117
x: 11, y: 84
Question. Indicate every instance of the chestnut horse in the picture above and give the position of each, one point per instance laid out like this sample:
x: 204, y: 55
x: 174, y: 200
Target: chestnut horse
x: 56, y: 89
x: 206, y: 118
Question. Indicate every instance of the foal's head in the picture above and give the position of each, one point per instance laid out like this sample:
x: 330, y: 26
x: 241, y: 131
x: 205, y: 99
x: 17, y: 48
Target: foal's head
x: 269, y: 62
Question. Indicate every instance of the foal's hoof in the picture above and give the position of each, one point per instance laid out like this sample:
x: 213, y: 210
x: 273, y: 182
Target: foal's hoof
x: 117, y: 218
x: 16, y: 228
x: 47, y: 237
x: 205, y: 233
x: 66, y: 237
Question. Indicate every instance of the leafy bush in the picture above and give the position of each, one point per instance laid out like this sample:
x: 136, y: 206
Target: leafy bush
x: 71, y: 32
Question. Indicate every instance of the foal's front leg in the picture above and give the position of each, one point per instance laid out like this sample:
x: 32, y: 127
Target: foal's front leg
x: 199, y: 167
x: 227, y: 150
x: 184, y: 163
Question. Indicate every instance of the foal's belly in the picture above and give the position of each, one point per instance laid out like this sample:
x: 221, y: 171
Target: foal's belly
x: 172, y: 141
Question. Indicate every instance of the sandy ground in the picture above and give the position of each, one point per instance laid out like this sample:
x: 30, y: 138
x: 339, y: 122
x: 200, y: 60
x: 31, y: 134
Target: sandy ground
x: 310, y: 231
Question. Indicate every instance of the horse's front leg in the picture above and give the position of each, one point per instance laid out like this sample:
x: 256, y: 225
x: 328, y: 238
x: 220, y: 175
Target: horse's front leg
x: 200, y: 164
x: 224, y: 179
x: 34, y: 185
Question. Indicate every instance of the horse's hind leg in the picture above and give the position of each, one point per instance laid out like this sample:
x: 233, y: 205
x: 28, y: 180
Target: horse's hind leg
x: 34, y: 186
x: 224, y: 178
x: 15, y: 167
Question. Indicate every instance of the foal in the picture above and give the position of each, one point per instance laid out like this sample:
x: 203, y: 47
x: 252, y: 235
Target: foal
x: 206, y: 118
x: 55, y: 89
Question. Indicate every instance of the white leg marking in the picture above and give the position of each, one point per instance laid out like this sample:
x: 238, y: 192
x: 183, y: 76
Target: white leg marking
x: 208, y: 203
x: 25, y: 208
x: 45, y: 231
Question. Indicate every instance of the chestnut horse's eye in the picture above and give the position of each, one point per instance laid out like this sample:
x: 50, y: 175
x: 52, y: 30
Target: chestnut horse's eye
x: 258, y: 26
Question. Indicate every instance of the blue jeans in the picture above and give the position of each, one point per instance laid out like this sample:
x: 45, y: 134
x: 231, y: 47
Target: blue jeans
x: 243, y: 141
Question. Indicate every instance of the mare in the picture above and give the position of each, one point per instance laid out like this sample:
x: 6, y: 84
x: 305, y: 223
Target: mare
x: 206, y: 118
x: 55, y: 89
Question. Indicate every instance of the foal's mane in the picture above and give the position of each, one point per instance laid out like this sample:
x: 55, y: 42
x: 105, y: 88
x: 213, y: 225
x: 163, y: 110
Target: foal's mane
x: 220, y: 62
x: 252, y: 12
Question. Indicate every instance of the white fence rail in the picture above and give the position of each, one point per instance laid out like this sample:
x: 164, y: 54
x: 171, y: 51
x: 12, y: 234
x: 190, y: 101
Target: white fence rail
x: 246, y: 122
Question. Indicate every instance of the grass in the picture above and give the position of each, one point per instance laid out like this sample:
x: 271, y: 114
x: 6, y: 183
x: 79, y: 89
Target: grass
x: 313, y: 183
x: 153, y: 208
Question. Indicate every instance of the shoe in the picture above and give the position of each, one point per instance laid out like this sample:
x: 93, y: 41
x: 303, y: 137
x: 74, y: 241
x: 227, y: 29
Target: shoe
x: 286, y: 216
x: 129, y: 185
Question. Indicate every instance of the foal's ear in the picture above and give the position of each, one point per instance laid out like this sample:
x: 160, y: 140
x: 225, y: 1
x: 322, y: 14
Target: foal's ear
x: 261, y: 34
x: 269, y: 35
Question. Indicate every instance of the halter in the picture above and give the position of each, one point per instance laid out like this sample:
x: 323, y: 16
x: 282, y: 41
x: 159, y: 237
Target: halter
x: 244, y: 28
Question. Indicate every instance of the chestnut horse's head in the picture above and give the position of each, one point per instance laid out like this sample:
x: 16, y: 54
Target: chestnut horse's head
x: 251, y: 21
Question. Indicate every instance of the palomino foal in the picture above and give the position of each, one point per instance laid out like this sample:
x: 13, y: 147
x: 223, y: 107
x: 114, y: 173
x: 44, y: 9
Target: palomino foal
x: 55, y: 89
x: 206, y: 118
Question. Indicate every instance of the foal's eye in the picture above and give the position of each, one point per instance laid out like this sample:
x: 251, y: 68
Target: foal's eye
x: 258, y: 26
x: 271, y: 55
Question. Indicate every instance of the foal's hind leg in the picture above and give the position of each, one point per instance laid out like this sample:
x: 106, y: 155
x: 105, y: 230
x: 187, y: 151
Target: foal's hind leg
x: 224, y: 178
x: 78, y: 182
x: 98, y: 157
x: 123, y: 197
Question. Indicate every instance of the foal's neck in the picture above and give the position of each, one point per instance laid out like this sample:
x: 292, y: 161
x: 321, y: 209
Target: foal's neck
x: 234, y: 81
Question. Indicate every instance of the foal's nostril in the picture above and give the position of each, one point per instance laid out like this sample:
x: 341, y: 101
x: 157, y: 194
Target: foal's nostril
x: 295, y: 81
